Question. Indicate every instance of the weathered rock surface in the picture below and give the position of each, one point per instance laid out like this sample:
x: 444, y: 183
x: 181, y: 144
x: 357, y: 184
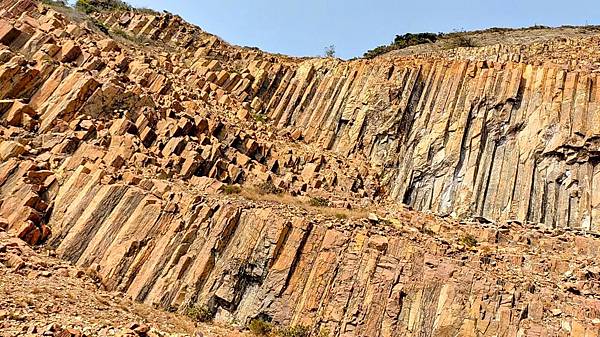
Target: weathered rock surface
x: 503, y: 132
x: 41, y: 295
x: 122, y: 152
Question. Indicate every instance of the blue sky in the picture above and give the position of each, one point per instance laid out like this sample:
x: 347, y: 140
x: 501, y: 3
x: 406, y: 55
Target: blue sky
x: 305, y: 28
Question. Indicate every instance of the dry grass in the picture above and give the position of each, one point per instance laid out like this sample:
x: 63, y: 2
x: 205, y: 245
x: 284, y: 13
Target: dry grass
x: 66, y: 299
x: 255, y: 194
x: 102, y: 299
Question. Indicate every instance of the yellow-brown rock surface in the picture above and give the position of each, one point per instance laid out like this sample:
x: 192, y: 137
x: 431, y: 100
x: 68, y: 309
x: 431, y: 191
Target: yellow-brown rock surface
x: 119, y: 152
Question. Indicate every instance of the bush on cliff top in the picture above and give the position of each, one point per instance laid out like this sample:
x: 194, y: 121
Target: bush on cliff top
x: 454, y: 40
x: 91, y: 6
x: 58, y: 3
x: 404, y: 41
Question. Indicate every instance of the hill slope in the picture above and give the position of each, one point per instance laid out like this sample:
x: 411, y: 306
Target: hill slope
x: 442, y: 193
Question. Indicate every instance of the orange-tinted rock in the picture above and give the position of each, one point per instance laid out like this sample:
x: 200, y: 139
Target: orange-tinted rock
x: 3, y: 224
x: 10, y: 149
x: 140, y: 163
x: 8, y: 33
x: 70, y: 52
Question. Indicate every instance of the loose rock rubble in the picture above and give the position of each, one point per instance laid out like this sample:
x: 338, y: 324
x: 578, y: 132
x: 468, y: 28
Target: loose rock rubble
x: 175, y: 170
x: 43, y: 296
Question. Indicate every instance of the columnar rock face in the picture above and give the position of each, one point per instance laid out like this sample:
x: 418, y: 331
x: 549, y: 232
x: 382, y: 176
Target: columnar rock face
x: 413, y: 276
x: 120, y: 151
x: 500, y: 140
x: 504, y: 132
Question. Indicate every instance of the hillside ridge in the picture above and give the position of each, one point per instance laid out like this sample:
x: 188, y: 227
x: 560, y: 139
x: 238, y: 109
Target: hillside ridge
x: 449, y: 192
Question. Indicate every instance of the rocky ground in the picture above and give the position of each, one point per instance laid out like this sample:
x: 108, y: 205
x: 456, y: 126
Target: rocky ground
x: 452, y: 192
x: 500, y: 36
x: 44, y: 296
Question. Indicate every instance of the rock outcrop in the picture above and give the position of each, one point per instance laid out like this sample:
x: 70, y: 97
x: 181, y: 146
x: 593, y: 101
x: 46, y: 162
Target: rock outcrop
x: 127, y: 136
x: 504, y: 132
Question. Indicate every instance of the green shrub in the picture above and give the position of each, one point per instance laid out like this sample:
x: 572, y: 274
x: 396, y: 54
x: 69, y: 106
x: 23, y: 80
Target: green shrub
x: 268, y: 187
x: 460, y: 40
x: 468, y: 240
x: 101, y: 26
x: 146, y: 10
x: 200, y: 313
x: 319, y: 202
x: 120, y: 32
x: 86, y: 6
x: 409, y: 39
x: 404, y: 41
x: 330, y: 51
x: 57, y: 3
x: 232, y: 189
x: 378, y: 51
x: 294, y: 331
x: 324, y: 332
x: 259, y: 117
x: 341, y: 216
x: 259, y: 327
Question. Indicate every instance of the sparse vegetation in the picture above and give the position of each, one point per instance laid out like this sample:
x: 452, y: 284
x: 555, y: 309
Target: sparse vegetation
x: 260, y: 327
x: 101, y: 26
x: 92, y: 6
x: 120, y: 32
x: 461, y: 40
x: 146, y: 10
x: 294, y: 331
x: 403, y: 41
x: 200, y: 313
x: 259, y: 117
x: 232, y: 189
x: 468, y: 240
x: 268, y: 187
x: 85, y: 6
x: 319, y: 202
x: 451, y: 40
x: 56, y: 3
x: 127, y: 36
x: 330, y: 51
x: 324, y: 332
x: 263, y: 192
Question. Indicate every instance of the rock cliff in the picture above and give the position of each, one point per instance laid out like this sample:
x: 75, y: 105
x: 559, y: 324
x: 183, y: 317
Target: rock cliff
x: 190, y: 172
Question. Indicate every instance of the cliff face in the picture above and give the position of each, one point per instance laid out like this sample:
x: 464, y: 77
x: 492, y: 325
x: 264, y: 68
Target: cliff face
x: 121, y: 151
x: 502, y: 140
